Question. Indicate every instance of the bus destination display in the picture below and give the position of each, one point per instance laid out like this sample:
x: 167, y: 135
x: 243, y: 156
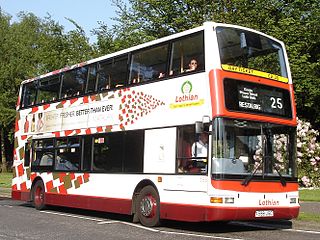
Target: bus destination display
x: 257, y: 98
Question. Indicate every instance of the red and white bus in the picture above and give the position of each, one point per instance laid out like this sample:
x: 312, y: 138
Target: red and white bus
x: 196, y: 126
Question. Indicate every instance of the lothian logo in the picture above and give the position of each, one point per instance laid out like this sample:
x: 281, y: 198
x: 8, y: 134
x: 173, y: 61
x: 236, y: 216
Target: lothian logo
x: 186, y: 89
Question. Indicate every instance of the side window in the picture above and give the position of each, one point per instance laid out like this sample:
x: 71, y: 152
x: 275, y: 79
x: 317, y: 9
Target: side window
x: 113, y: 73
x: 74, y: 82
x: 187, y: 54
x: 108, y: 152
x: 27, y: 154
x: 192, y: 150
x: 48, y: 89
x: 68, y: 154
x: 134, y: 150
x: 92, y: 78
x: 43, y: 153
x: 105, y: 70
x: 149, y: 64
x: 29, y: 91
x: 87, y: 152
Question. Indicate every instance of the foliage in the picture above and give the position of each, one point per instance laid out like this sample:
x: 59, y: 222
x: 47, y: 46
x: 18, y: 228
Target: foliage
x: 30, y: 47
x: 308, y: 155
x: 296, y: 22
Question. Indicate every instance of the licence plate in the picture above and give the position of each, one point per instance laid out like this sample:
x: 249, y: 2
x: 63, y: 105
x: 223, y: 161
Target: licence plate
x: 266, y: 213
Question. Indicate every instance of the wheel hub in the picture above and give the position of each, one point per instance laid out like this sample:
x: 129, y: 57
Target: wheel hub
x: 147, y: 206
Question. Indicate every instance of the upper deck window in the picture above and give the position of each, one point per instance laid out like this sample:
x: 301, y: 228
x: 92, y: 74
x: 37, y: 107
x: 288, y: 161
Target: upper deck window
x: 186, y: 52
x: 157, y: 62
x: 113, y: 73
x: 92, y: 78
x: 250, y: 50
x: 74, y: 82
x: 29, y: 92
x: 48, y: 89
x: 149, y: 64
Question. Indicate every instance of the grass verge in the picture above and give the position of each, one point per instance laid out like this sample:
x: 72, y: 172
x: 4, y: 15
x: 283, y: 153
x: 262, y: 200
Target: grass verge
x: 303, y: 216
x: 309, y: 195
x: 5, y: 180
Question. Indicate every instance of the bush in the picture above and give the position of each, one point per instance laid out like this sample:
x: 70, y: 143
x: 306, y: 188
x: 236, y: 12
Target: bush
x: 308, y: 155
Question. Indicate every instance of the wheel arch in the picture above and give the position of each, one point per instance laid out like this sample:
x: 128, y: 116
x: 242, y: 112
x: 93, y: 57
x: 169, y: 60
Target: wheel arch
x: 38, y: 178
x: 143, y: 183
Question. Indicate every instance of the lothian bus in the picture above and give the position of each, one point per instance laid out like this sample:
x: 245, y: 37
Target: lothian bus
x: 196, y: 126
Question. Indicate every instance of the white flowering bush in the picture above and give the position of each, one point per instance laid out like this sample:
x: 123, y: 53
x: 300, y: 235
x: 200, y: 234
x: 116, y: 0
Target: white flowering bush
x: 308, y: 155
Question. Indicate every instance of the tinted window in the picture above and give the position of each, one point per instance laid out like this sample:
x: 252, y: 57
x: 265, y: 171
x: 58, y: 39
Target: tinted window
x: 27, y: 154
x: 108, y: 152
x: 68, y: 154
x: 43, y: 153
x: 92, y: 78
x: 74, y: 82
x: 133, y: 159
x: 48, y: 89
x: 113, y: 73
x: 29, y: 91
x: 149, y: 64
x: 118, y: 152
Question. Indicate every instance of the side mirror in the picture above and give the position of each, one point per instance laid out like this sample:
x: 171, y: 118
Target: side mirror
x: 199, y: 127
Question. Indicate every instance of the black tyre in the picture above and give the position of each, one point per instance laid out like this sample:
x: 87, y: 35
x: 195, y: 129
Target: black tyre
x: 148, y: 207
x: 38, y: 195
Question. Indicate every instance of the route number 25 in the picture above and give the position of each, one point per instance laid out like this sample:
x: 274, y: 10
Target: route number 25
x: 276, y: 103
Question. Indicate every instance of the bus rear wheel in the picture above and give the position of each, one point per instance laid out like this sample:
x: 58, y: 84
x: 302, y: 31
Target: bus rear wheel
x: 38, y: 195
x: 148, y: 207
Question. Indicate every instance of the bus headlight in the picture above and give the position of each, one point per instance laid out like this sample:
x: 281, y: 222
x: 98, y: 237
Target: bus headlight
x: 229, y: 200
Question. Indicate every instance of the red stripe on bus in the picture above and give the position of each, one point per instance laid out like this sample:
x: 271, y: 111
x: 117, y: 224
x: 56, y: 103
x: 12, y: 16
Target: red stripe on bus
x: 182, y: 212
x: 267, y: 187
x: 194, y: 213
x: 114, y: 205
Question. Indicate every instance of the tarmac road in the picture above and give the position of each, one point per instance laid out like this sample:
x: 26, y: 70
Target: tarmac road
x: 20, y: 221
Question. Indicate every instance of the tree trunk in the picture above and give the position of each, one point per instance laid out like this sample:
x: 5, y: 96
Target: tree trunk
x: 3, y: 165
x: 7, y: 157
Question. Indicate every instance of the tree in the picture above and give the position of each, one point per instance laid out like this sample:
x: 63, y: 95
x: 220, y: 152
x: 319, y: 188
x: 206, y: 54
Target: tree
x: 30, y: 47
x: 295, y: 22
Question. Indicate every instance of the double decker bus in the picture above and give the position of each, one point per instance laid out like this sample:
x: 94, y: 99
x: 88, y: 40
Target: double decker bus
x: 196, y: 126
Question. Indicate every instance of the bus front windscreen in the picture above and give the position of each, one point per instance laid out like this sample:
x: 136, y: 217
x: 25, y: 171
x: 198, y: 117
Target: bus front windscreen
x: 253, y: 150
x: 247, y: 49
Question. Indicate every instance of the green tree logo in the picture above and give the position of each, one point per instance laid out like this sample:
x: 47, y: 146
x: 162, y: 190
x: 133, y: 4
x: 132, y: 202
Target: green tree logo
x: 186, y: 87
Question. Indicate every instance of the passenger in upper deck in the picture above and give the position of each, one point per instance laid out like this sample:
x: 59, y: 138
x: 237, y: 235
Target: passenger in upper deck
x: 193, y: 65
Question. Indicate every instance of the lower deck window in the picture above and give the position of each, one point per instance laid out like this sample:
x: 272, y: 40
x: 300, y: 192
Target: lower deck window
x: 115, y: 152
x: 192, y: 150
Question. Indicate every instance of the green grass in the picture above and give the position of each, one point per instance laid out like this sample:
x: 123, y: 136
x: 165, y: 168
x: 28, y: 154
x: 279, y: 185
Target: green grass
x: 5, y: 180
x: 308, y: 217
x: 309, y: 195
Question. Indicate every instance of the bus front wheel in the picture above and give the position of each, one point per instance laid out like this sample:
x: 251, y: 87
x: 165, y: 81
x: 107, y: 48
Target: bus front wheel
x: 38, y: 195
x: 148, y: 207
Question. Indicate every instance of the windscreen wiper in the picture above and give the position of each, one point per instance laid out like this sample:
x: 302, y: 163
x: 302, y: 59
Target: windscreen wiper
x: 246, y: 181
x: 283, y: 182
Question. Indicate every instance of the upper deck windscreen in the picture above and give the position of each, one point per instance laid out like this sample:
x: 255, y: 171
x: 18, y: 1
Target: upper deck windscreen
x: 250, y: 50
